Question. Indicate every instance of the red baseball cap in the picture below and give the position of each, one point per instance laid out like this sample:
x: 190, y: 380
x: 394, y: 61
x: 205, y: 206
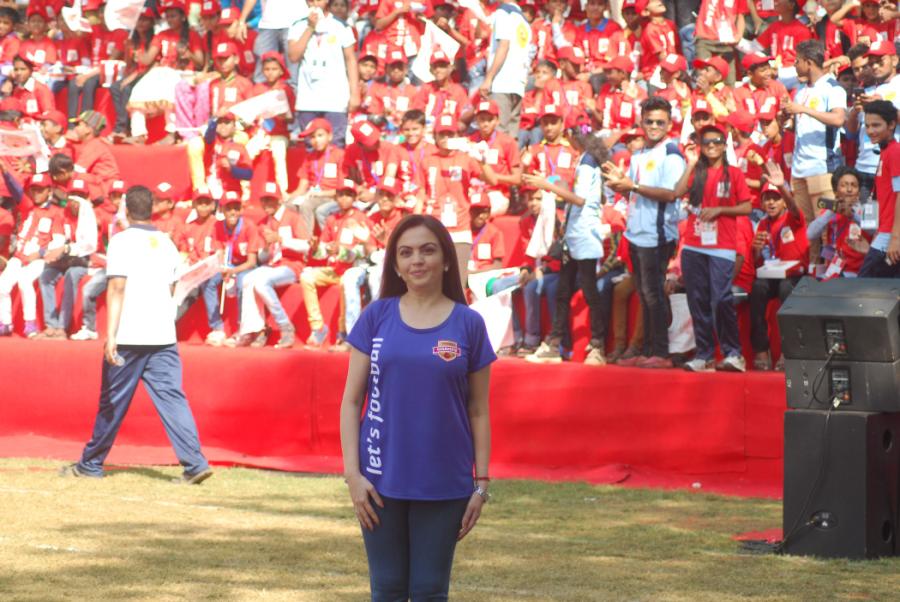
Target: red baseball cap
x: 446, y: 123
x: 882, y: 48
x: 202, y: 193
x: 225, y: 49
x: 439, y: 56
x: 78, y: 187
x: 269, y: 190
x: 210, y: 8
x: 163, y: 190
x: 389, y: 184
x: 56, y: 117
x: 39, y: 180
x: 347, y: 184
x: 319, y: 123
x: 716, y: 62
x: 767, y: 187
x: 176, y: 4
x: 639, y: 6
x: 369, y: 51
x: 365, y: 133
x: 228, y: 16
x: 753, y: 59
x: 89, y: 5
x: 552, y: 109
x: 713, y: 127
x: 741, y: 121
x: 674, y: 63
x: 230, y: 197
x: 273, y: 55
x: 700, y: 105
x: 632, y: 133
x: 39, y: 8
x: 488, y: 106
x: 479, y: 200
x: 573, y: 54
x: 622, y: 63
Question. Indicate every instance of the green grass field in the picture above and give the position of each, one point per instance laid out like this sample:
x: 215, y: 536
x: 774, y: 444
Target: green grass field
x: 256, y: 535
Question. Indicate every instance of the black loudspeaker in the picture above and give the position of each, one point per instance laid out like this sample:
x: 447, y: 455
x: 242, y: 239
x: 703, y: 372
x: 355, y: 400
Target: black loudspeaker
x: 859, y: 317
x: 846, y: 507
x: 860, y: 386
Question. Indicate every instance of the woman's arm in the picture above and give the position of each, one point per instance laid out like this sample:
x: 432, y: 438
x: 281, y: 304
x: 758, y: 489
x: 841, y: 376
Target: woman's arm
x: 351, y: 406
x: 480, y: 420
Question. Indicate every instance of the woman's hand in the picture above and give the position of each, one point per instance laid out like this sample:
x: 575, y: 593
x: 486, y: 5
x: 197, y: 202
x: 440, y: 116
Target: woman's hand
x: 691, y: 153
x: 708, y: 214
x: 773, y: 174
x: 473, y: 512
x: 534, y: 181
x: 360, y: 492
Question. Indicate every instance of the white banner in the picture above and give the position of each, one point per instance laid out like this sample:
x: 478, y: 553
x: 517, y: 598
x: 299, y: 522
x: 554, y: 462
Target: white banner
x: 123, y: 14
x: 265, y: 106
x: 194, y: 276
x: 497, y: 313
x: 432, y: 39
x: 19, y: 143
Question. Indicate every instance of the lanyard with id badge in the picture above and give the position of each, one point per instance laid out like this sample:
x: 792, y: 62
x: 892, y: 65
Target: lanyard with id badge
x: 869, y: 219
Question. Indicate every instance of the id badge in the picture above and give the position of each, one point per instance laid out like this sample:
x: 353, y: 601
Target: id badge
x: 709, y: 234
x: 346, y: 237
x: 834, y: 268
x: 483, y: 252
x: 869, y: 219
x: 448, y: 214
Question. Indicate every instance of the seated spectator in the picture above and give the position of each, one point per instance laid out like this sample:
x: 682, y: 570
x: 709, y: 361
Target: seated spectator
x: 40, y: 233
x: 285, y: 242
x: 9, y: 40
x: 553, y: 158
x: 219, y: 162
x: 393, y: 97
x: 383, y: 221
x: 69, y: 262
x: 617, y: 101
x: 345, y: 244
x: 499, y: 151
x: 369, y: 159
x: 164, y: 217
x: 320, y: 174
x: 546, y: 91
x: 94, y: 158
x: 38, y: 49
x: 844, y: 244
x: 197, y: 244
x: 488, y: 248
x: 136, y: 46
x: 35, y: 97
x: 718, y: 194
x: 53, y: 129
x: 659, y: 39
x: 711, y: 75
x: 781, y: 235
x: 413, y: 151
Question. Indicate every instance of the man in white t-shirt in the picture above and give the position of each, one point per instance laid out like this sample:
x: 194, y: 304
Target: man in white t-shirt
x: 275, y: 20
x: 509, y: 61
x: 141, y: 266
x: 327, y: 80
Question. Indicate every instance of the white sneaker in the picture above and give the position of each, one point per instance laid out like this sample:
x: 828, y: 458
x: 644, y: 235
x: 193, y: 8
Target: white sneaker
x: 216, y: 338
x: 699, y: 365
x: 733, y: 363
x: 84, y: 334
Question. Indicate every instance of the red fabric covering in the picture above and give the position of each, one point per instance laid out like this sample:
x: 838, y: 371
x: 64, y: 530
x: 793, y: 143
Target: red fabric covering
x: 280, y: 409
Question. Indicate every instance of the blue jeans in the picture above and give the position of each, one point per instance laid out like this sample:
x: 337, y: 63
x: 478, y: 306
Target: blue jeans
x: 89, y: 295
x: 277, y: 40
x: 529, y: 137
x: 87, y: 94
x: 265, y: 279
x: 533, y: 291
x: 476, y: 76
x: 337, y: 120
x: 160, y: 369
x: 61, y: 316
x: 209, y: 290
x: 351, y: 280
x: 707, y: 281
x: 411, y: 552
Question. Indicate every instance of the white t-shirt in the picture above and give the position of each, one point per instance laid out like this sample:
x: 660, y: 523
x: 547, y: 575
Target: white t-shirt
x: 508, y: 23
x: 148, y: 260
x: 322, y: 83
x: 817, y: 145
x: 281, y: 14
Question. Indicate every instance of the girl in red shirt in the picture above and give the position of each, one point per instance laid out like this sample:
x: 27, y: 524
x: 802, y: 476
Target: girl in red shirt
x: 718, y: 194
x: 135, y: 46
x: 34, y: 96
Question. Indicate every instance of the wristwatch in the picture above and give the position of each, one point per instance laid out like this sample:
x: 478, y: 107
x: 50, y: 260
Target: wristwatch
x: 483, y: 493
x: 635, y: 186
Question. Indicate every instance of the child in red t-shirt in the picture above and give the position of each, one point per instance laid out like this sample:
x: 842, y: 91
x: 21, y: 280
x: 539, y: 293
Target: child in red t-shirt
x: 547, y: 90
x: 659, y: 39
x: 412, y: 153
x: 553, y: 158
x: 500, y: 152
x: 9, y: 40
x: 35, y: 97
x: 221, y: 162
x: 274, y: 130
x: 441, y: 96
x: 39, y: 49
x: 718, y: 194
x: 392, y: 98
x: 320, y: 174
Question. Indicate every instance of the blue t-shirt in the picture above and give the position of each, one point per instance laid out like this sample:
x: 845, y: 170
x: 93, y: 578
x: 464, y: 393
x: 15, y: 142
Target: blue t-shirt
x: 415, y: 441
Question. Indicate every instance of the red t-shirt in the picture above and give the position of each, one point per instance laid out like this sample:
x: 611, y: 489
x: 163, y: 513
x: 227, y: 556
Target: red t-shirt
x: 552, y: 160
x: 447, y: 182
x: 105, y: 43
x: 225, y: 93
x: 406, y: 30
x: 388, y: 222
x: 235, y: 153
x: 536, y: 99
x: 392, y: 101
x: 787, y: 239
x: 9, y: 47
x: 658, y: 40
x: 287, y: 224
x: 717, y: 19
x: 39, y: 228
x: 36, y: 98
x: 197, y: 239
x: 371, y: 166
x: 750, y: 162
x: 781, y: 39
x: 167, y: 43
x: 411, y: 173
x: 74, y: 52
x: 721, y: 190
x: 887, y: 185
x: 596, y: 43
x: 840, y: 231
x: 238, y: 244
x: 323, y: 169
x: 619, y: 110
x: 502, y: 154
x: 39, y: 52
x: 450, y: 99
x: 487, y: 246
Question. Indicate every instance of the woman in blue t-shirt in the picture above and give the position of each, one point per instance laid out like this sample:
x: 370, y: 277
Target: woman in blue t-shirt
x: 421, y: 361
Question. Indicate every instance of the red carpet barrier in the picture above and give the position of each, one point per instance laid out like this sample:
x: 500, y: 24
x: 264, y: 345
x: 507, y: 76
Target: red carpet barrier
x: 278, y: 409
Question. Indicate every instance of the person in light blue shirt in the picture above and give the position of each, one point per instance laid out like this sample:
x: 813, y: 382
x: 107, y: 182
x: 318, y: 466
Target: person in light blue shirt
x: 583, y: 247
x: 819, y: 110
x: 652, y: 227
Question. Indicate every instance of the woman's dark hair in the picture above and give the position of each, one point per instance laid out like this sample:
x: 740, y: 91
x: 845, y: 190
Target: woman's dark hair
x: 842, y: 171
x: 139, y: 203
x: 391, y: 283
x: 142, y: 40
x: 547, y: 64
x: 698, y: 186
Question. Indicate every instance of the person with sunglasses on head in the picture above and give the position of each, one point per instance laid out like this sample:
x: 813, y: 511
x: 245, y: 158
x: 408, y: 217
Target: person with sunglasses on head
x: 717, y: 195
x: 652, y: 228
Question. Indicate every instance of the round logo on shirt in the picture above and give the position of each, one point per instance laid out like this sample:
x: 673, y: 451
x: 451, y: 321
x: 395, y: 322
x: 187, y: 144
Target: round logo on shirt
x: 522, y: 35
x: 446, y: 350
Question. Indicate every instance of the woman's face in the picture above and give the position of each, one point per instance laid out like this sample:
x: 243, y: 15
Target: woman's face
x: 174, y: 18
x: 21, y: 72
x: 712, y: 145
x: 145, y: 24
x: 420, y: 261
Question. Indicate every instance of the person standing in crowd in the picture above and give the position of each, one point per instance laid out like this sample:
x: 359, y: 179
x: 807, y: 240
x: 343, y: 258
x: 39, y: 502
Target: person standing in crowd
x: 327, y: 79
x: 140, y: 344
x: 275, y: 21
x: 583, y: 240
x: 652, y: 227
x: 509, y: 63
x: 883, y: 258
x: 819, y: 110
x: 421, y: 362
x: 720, y: 26
x: 717, y: 194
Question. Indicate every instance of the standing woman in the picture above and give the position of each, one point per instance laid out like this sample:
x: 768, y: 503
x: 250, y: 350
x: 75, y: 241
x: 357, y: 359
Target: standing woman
x: 717, y: 194
x: 421, y: 358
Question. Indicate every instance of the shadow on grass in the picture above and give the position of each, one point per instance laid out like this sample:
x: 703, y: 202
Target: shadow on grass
x: 143, y: 471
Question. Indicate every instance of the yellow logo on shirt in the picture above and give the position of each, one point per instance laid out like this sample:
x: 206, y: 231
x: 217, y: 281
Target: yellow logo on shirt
x: 522, y: 35
x: 446, y: 350
x: 332, y: 39
x: 650, y: 165
x: 814, y: 104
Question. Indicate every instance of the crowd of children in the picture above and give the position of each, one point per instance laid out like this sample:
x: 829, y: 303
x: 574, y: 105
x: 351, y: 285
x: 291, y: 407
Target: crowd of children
x: 723, y: 161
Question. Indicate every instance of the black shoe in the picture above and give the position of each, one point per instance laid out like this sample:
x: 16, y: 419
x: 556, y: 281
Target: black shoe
x: 72, y: 470
x: 195, y: 479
